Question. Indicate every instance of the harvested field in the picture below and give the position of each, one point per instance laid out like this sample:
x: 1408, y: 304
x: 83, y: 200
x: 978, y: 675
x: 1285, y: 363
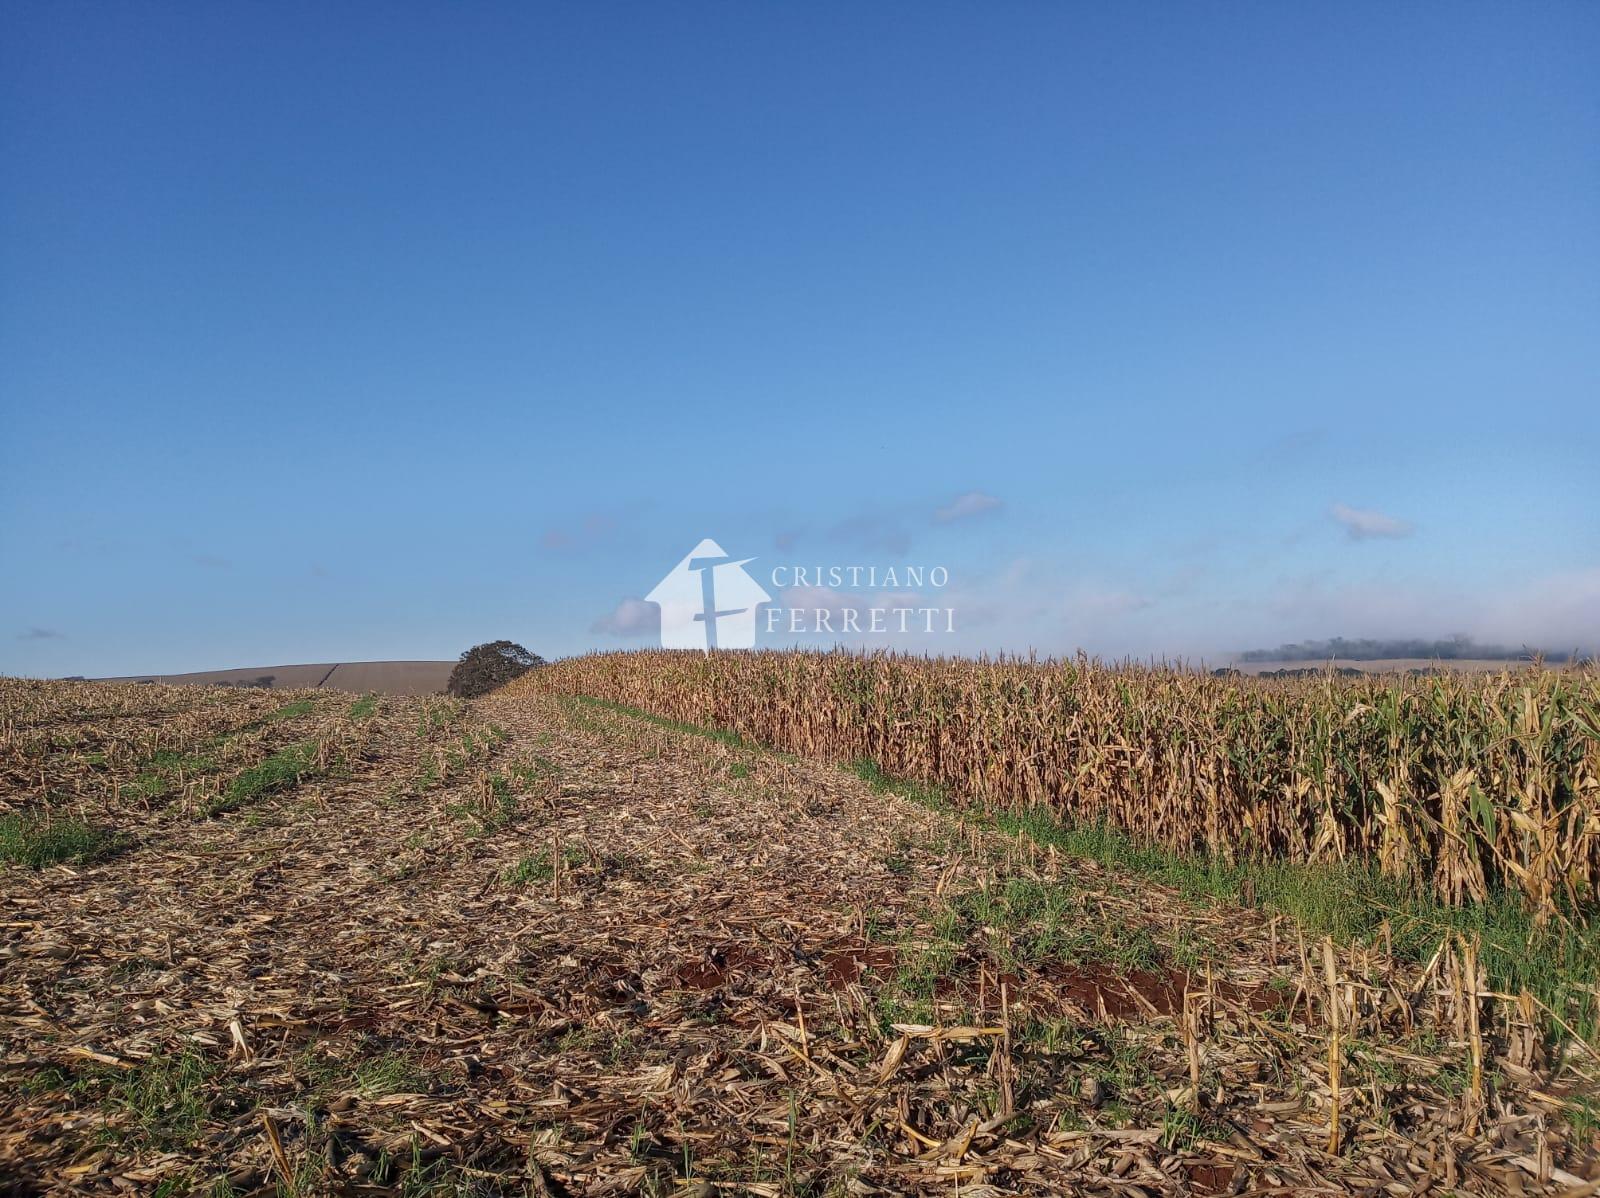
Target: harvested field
x: 315, y: 943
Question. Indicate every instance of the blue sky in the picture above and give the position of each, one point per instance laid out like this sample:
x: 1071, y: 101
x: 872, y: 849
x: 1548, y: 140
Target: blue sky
x: 373, y: 331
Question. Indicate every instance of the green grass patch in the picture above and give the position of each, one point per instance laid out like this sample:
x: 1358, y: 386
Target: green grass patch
x: 485, y: 819
x: 35, y: 841
x: 932, y: 797
x: 1349, y: 901
x: 473, y: 746
x: 721, y: 735
x: 1030, y: 922
x: 527, y: 772
x: 437, y: 715
x: 391, y: 1073
x: 164, y: 772
x: 166, y: 1099
x: 539, y: 867
x: 282, y: 770
x: 363, y: 707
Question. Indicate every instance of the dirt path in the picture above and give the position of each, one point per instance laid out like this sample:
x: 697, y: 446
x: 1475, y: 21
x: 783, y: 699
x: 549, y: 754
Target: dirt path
x: 556, y: 948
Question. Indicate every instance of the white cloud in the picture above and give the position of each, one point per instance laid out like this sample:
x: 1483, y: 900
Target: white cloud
x: 631, y: 617
x: 1364, y: 523
x: 972, y: 503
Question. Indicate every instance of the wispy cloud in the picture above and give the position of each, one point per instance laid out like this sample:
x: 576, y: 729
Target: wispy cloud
x: 873, y: 533
x: 1365, y: 523
x: 585, y: 530
x: 40, y: 634
x: 965, y: 506
x: 631, y: 617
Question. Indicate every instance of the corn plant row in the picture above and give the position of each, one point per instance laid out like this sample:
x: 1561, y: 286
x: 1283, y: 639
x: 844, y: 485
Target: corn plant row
x: 1464, y: 784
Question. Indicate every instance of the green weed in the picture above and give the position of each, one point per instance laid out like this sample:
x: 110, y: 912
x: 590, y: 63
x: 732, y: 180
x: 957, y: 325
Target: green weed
x: 539, y: 867
x: 721, y: 735
x: 35, y: 841
x: 391, y: 1073
x: 167, y: 1098
x: 281, y: 770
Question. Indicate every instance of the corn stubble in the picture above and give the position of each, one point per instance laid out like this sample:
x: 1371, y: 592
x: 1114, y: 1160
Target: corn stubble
x: 1462, y: 785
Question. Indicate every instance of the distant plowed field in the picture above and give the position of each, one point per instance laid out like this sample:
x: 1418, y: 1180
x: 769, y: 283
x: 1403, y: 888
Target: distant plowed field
x: 381, y: 677
x: 310, y: 943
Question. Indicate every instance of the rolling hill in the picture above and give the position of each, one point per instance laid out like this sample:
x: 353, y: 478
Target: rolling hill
x: 382, y: 677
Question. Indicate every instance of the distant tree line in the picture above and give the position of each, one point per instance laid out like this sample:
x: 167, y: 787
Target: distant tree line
x: 1457, y: 648
x: 1305, y: 672
x: 261, y: 681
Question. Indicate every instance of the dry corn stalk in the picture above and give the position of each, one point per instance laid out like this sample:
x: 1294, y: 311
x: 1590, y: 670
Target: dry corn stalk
x: 1471, y: 781
x: 1330, y: 967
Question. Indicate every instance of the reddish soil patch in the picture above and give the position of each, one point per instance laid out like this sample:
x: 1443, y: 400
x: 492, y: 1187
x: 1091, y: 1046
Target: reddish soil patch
x: 1125, y: 996
x: 712, y: 971
x: 843, y: 966
x: 1092, y: 986
x: 1211, y: 1178
x: 1096, y: 989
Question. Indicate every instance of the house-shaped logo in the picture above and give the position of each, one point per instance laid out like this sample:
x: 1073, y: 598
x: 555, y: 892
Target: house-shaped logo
x: 708, y: 601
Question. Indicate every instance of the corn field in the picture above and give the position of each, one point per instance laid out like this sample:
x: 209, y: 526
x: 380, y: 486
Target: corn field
x: 1462, y: 784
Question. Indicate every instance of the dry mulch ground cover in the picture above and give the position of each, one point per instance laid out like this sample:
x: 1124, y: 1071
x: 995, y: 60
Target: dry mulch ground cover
x: 316, y: 944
